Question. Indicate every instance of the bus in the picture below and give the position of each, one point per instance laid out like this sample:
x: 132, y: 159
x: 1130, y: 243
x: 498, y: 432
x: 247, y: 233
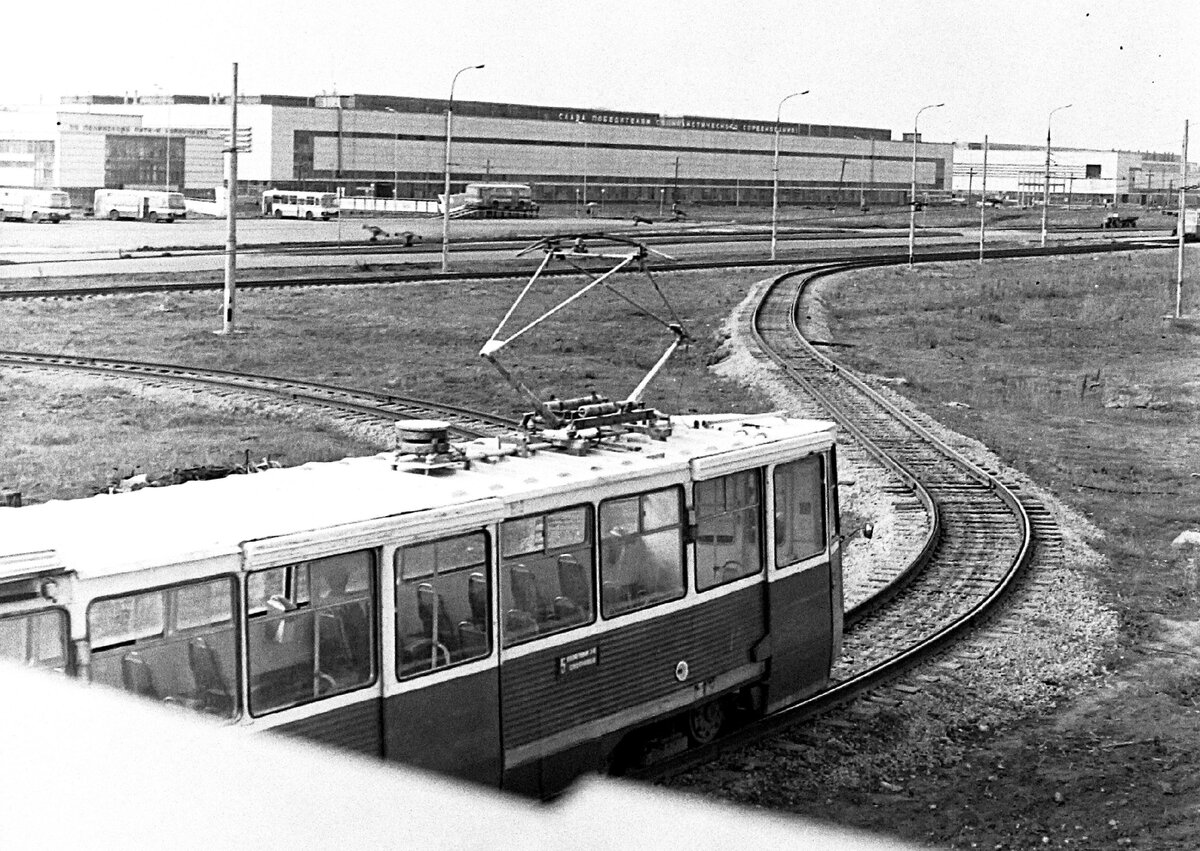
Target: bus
x: 34, y: 205
x: 151, y: 205
x: 294, y: 204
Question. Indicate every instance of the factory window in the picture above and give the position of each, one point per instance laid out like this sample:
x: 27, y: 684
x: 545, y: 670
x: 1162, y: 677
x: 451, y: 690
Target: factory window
x: 1092, y: 171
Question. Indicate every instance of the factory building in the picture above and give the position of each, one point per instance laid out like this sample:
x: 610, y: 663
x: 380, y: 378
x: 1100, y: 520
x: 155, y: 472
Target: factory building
x: 386, y: 146
x: 81, y: 151
x: 1017, y: 173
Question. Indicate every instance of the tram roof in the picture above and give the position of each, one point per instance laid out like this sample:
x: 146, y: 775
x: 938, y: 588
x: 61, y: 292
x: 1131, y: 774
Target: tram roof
x: 200, y: 520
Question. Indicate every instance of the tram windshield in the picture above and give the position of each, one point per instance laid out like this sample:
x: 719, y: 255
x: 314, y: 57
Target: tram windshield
x: 35, y: 639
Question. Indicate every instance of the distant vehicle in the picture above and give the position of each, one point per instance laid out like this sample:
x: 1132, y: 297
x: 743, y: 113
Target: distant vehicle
x: 1191, y: 225
x: 990, y: 202
x: 34, y: 205
x: 493, y: 200
x: 501, y: 196
x: 151, y: 205
x: 290, y: 204
x: 1116, y: 220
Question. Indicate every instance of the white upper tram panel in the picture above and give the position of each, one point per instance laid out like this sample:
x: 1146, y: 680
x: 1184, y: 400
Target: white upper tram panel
x: 223, y: 518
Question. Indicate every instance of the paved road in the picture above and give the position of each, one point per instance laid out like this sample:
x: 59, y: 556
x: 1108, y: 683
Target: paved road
x: 101, y: 247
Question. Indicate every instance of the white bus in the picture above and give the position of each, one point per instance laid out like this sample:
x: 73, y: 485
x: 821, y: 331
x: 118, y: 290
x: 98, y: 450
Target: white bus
x: 294, y: 204
x: 34, y: 205
x: 149, y: 204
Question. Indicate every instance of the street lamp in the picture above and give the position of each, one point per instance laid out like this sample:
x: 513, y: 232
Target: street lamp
x: 167, y: 100
x: 395, y: 160
x: 1046, y: 185
x: 912, y: 199
x: 775, y: 172
x: 446, y: 201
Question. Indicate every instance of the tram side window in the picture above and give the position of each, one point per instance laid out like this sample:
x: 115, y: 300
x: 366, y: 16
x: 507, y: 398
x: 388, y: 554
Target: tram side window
x: 799, y: 510
x: 546, y: 573
x: 176, y: 644
x: 311, y: 630
x: 641, y: 551
x: 36, y: 640
x: 442, y: 603
x: 728, y: 543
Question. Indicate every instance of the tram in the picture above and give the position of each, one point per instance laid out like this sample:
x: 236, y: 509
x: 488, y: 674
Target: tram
x: 507, y: 613
x: 514, y: 610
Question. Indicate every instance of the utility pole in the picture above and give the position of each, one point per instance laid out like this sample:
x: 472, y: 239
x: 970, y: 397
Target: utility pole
x: 231, y: 212
x: 675, y: 190
x: 970, y: 184
x: 982, y: 199
x: 1183, y: 188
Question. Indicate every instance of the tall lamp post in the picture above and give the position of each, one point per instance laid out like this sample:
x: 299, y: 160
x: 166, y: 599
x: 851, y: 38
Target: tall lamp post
x: 775, y: 172
x: 1046, y: 185
x: 912, y: 199
x: 395, y: 159
x: 166, y: 100
x: 446, y: 200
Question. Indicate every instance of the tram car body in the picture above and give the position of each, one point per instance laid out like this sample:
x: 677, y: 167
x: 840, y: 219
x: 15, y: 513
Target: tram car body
x: 509, y: 618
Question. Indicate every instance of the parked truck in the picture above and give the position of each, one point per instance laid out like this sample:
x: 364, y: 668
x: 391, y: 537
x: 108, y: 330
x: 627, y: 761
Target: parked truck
x: 34, y: 205
x: 148, y: 204
x: 492, y: 200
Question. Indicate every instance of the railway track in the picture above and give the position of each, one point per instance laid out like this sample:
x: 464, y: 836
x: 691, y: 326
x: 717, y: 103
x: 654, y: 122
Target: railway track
x: 982, y: 532
x: 464, y: 422
x: 881, y: 255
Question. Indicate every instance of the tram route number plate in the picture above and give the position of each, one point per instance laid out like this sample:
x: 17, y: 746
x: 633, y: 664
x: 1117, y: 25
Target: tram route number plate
x: 578, y: 660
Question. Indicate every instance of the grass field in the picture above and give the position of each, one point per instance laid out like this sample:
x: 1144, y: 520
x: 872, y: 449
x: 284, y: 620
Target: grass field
x: 1063, y: 366
x: 421, y: 340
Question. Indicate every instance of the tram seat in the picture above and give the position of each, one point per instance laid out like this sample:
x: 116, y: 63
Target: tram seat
x: 573, y: 580
x: 566, y: 612
x: 424, y: 655
x: 478, y: 597
x: 472, y: 640
x: 519, y: 624
x: 525, y: 591
x: 616, y: 596
x: 730, y: 571
x: 211, y: 692
x: 445, y: 626
x: 336, y: 655
x: 137, y: 676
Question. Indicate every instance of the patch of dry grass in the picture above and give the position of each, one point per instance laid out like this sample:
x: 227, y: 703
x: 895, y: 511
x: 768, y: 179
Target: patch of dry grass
x: 1069, y: 373
x: 67, y: 436
x: 420, y: 340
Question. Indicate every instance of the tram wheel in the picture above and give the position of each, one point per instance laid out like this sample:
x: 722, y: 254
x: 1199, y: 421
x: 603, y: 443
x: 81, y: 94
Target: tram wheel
x: 704, y: 722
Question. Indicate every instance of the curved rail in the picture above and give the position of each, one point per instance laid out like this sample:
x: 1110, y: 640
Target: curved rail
x: 465, y: 422
x: 880, y: 255
x: 981, y: 532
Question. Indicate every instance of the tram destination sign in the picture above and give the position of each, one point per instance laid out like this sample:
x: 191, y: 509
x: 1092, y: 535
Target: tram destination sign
x: 578, y: 660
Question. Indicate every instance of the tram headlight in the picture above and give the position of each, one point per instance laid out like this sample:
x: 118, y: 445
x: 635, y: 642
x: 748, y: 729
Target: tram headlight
x: 49, y: 589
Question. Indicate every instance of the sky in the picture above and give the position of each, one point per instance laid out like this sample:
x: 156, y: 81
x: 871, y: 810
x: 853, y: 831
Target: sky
x: 1127, y: 68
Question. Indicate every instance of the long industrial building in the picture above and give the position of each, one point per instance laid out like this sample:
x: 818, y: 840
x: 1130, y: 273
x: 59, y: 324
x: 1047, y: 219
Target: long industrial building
x: 1020, y: 173
x: 386, y: 146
